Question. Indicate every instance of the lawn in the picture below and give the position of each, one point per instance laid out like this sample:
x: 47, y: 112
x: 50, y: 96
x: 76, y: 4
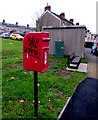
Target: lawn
x: 55, y: 86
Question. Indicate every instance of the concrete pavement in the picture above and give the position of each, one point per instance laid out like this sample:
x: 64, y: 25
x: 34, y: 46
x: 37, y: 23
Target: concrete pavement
x: 82, y: 68
x: 92, y: 63
x: 92, y: 66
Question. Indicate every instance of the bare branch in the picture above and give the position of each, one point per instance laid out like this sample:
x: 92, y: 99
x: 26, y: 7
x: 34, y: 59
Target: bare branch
x: 35, y: 17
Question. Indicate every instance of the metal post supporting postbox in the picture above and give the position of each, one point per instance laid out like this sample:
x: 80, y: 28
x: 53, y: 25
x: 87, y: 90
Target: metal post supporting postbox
x: 36, y: 93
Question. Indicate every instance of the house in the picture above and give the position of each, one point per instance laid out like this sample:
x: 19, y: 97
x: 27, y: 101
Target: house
x: 15, y: 28
x: 89, y: 39
x: 89, y: 36
x: 49, y: 18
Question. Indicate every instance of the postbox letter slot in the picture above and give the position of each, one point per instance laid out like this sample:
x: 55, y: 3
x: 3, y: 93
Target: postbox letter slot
x: 27, y: 55
x: 45, y: 58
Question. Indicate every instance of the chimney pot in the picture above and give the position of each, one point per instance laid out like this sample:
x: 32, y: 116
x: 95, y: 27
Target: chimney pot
x: 48, y: 7
x: 3, y: 21
x: 62, y: 15
x: 27, y: 25
x: 16, y: 23
x: 72, y: 20
x: 77, y: 23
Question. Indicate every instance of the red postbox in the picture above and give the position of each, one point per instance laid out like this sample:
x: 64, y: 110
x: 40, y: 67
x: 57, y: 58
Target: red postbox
x: 36, y: 51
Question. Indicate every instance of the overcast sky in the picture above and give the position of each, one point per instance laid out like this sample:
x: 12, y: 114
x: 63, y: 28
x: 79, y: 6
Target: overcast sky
x: 22, y: 11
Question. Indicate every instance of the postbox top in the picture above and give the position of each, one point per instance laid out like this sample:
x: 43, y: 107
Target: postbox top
x: 38, y: 33
x: 43, y: 35
x: 42, y: 32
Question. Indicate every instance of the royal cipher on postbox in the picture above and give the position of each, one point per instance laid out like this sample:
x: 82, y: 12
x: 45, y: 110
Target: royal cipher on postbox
x: 36, y: 51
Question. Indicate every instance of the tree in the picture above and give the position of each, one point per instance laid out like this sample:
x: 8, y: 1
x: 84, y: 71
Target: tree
x: 36, y: 20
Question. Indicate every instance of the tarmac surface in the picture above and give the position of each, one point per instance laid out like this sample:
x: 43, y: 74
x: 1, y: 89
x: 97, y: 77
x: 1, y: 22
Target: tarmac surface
x: 83, y: 103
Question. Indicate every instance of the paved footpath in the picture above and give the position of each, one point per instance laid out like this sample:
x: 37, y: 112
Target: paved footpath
x: 92, y: 66
x: 82, y: 105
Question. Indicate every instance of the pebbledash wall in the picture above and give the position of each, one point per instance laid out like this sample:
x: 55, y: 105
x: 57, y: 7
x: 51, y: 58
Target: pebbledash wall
x: 73, y: 37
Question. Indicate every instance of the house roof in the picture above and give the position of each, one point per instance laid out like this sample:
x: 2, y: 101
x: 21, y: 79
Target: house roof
x: 62, y: 18
x: 56, y: 15
x: 11, y: 25
x: 16, y: 26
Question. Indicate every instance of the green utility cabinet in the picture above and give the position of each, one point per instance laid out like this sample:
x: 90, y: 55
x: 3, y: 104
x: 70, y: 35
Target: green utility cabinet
x: 59, y: 48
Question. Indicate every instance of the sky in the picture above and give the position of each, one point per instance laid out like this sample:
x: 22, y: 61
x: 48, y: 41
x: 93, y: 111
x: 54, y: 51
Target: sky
x: 25, y: 11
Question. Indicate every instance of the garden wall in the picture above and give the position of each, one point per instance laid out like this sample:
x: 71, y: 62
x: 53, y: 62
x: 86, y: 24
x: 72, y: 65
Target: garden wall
x: 73, y: 37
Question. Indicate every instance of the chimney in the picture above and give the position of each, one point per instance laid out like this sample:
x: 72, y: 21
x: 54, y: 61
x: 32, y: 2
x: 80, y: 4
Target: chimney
x: 62, y: 15
x: 71, y: 20
x: 27, y: 25
x: 3, y: 21
x: 48, y: 7
x: 77, y: 23
x: 16, y: 23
